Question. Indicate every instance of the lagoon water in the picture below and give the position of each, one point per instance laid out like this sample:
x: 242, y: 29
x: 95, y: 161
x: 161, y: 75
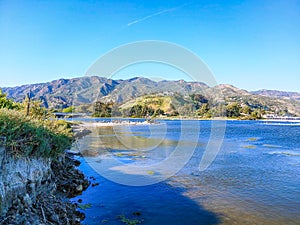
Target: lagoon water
x: 254, y: 178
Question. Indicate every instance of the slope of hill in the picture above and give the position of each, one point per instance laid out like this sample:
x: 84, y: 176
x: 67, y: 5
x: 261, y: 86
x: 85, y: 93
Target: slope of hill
x: 278, y: 94
x: 170, y: 104
x: 87, y: 90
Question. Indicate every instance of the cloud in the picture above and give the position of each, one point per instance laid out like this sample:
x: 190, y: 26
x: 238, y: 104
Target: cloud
x: 155, y: 14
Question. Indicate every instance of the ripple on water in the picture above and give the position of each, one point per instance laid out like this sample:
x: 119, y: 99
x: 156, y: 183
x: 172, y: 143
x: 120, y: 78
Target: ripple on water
x: 242, y: 186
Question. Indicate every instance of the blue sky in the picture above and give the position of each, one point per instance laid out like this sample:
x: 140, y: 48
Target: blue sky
x: 251, y: 44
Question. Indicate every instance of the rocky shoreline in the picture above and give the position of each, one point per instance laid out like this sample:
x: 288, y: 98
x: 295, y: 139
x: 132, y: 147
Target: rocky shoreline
x: 43, y: 198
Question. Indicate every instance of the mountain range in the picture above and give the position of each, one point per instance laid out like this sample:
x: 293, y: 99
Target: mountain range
x: 62, y: 93
x: 278, y: 94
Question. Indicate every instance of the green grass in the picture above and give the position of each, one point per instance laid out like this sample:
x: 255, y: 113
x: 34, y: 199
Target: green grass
x: 25, y: 136
x: 155, y: 102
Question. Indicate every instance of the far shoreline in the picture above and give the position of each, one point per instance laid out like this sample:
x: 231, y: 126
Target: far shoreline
x: 124, y: 121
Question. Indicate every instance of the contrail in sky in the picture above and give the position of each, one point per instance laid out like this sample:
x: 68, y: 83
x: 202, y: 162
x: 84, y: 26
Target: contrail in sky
x: 155, y: 14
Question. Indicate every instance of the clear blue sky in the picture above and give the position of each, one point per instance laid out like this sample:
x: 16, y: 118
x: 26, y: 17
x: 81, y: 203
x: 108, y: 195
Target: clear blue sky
x: 250, y: 44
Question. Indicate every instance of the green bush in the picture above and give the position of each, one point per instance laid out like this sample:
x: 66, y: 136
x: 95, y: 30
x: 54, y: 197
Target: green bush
x: 141, y: 111
x: 35, y: 110
x: 28, y: 136
x: 102, y: 109
x: 69, y: 109
x: 7, y: 103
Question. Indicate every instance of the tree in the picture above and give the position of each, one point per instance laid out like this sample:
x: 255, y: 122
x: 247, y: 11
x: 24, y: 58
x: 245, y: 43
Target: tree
x: 6, y: 103
x: 35, y: 109
x: 256, y: 114
x: 217, y: 110
x: 203, y: 110
x: 198, y: 100
x: 233, y: 110
x: 186, y: 110
x: 159, y: 112
x: 102, y: 109
x: 246, y: 110
x: 141, y: 111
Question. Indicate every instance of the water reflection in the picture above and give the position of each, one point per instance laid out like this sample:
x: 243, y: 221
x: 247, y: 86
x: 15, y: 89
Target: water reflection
x: 157, y: 204
x: 244, y: 185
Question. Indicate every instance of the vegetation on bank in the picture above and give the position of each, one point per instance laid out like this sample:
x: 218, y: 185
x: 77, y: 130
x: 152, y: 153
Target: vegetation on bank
x: 193, y: 106
x: 31, y: 131
x: 7, y: 103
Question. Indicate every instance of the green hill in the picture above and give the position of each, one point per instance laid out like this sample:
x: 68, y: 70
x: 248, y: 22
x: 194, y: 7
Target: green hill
x: 166, y: 97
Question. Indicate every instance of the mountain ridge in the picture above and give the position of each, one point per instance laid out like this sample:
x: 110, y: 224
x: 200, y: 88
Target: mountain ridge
x: 278, y: 94
x: 62, y: 93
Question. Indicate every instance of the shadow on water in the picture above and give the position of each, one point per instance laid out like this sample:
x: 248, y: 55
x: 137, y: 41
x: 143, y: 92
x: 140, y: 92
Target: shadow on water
x: 156, y: 204
x: 254, y: 180
x: 151, y: 205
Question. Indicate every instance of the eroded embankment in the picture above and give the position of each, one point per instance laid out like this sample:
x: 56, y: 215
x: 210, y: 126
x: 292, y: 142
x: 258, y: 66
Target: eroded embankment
x: 36, y: 190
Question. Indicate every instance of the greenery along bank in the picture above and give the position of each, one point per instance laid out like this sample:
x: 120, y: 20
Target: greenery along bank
x: 34, y: 181
x: 174, y: 105
x: 35, y: 134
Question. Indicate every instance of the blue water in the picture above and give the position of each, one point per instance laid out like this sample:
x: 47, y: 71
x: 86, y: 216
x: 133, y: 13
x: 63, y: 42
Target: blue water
x: 254, y: 179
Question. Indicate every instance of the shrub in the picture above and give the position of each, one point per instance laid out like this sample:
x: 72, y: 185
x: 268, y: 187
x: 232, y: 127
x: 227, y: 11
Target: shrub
x: 27, y: 136
x: 7, y: 103
x: 69, y: 109
x: 35, y: 109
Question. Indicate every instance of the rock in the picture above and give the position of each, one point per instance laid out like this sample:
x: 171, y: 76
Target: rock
x: 76, y: 162
x: 33, y: 188
x: 95, y: 184
x: 27, y: 201
x: 79, y: 188
x: 137, y: 213
x: 54, y: 218
x: 80, y: 132
x: 72, y: 152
